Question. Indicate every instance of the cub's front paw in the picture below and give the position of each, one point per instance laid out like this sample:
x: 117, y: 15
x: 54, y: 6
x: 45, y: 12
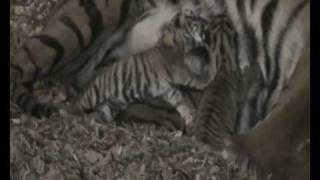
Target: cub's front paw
x: 235, y: 153
x: 189, y: 122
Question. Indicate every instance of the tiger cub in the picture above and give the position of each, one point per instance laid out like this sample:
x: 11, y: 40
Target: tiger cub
x: 74, y: 26
x: 217, y: 109
x: 182, y: 58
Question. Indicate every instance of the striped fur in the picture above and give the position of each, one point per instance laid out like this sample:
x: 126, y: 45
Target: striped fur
x: 283, y: 138
x: 155, y: 73
x: 271, y: 36
x: 74, y: 26
x: 217, y: 110
x: 219, y: 104
x: 146, y: 34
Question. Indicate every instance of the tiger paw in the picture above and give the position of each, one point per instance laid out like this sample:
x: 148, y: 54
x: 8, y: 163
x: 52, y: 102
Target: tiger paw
x: 240, y: 160
x: 103, y: 117
x: 189, y: 123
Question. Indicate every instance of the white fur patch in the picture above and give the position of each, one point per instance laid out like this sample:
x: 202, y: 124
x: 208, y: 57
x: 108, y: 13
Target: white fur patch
x: 147, y: 32
x: 224, y: 154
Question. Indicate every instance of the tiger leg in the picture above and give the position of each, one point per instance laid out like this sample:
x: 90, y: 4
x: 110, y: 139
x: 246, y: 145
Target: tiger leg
x: 153, y: 111
x: 183, y: 105
x: 108, y: 111
x: 104, y: 113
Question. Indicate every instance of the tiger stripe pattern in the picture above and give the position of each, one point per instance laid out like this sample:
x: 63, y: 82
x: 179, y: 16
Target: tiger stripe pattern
x: 271, y: 36
x: 155, y: 73
x: 74, y: 26
x: 219, y: 103
x: 119, y: 44
x: 289, y: 143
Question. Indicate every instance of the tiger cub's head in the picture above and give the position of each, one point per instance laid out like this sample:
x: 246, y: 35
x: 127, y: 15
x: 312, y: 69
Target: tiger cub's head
x: 184, y: 39
x: 217, y: 48
x: 185, y: 31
